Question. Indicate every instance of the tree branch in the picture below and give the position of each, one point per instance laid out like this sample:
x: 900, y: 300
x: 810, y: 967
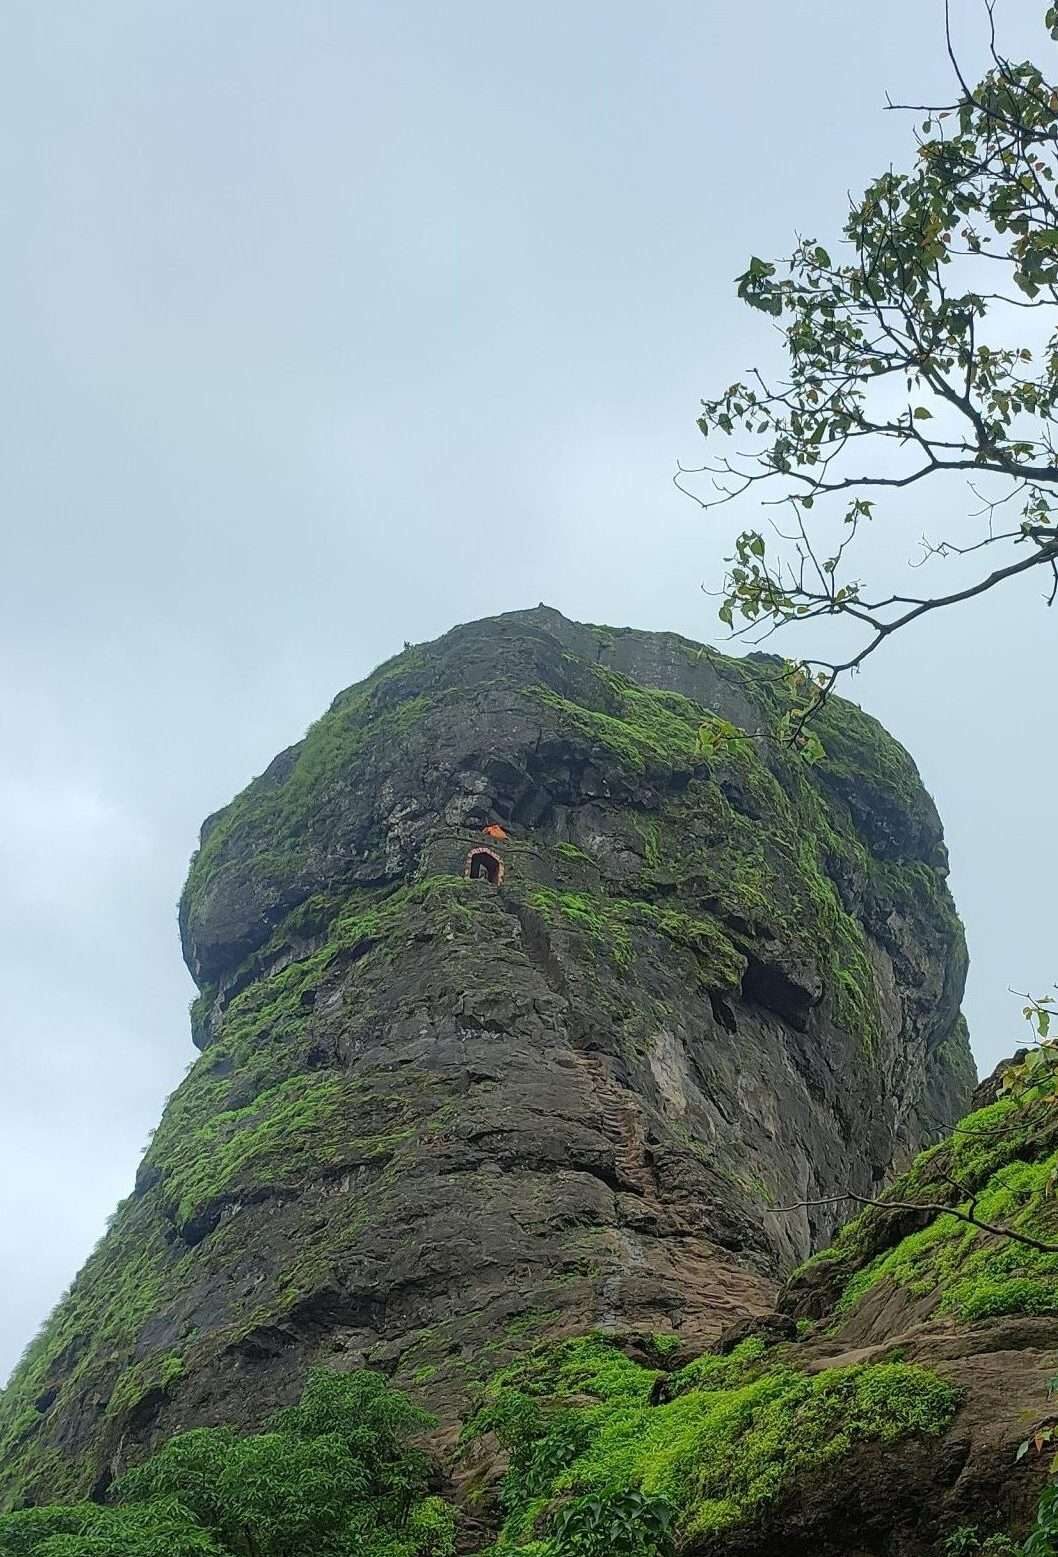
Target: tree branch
x: 936, y: 1209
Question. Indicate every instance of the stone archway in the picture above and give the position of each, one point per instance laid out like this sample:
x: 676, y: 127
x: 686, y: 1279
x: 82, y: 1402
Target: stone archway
x: 484, y: 865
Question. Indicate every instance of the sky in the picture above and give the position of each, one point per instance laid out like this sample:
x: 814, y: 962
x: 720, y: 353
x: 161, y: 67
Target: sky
x: 329, y: 326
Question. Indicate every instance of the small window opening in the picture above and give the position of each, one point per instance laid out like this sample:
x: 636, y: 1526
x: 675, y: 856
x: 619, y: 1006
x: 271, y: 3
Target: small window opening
x: 483, y: 865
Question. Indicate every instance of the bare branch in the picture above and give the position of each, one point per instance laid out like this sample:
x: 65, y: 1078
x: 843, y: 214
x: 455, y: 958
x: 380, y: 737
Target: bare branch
x: 928, y: 1206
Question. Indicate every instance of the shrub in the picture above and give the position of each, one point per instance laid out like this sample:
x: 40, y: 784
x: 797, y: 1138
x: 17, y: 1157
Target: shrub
x: 334, y: 1475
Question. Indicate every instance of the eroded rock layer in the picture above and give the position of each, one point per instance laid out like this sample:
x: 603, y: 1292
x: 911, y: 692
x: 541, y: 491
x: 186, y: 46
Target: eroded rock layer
x: 438, y: 1116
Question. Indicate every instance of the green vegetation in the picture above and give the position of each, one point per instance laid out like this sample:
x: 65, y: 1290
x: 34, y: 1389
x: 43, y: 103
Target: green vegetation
x: 936, y: 250
x: 1002, y: 1165
x: 1043, y: 1539
x: 123, y: 1283
x: 137, y: 1382
x: 305, y: 1125
x: 967, y: 1541
x: 291, y: 1117
x: 334, y: 1476
x: 779, y: 845
x: 588, y: 1449
x: 647, y: 728
x: 256, y: 1110
x: 595, y: 1468
x: 773, y: 880
x: 610, y: 921
x: 569, y: 851
x: 289, y: 810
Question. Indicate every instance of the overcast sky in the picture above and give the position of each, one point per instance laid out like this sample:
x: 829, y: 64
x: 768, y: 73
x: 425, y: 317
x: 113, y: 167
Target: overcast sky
x: 328, y: 326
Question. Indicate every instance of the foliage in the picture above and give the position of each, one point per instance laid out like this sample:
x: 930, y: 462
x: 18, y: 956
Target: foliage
x: 333, y: 1475
x: 1002, y: 1162
x: 645, y: 727
x: 291, y: 1116
x: 595, y: 1468
x: 162, y: 1529
x: 967, y: 1541
x: 908, y: 359
x: 586, y: 1443
x: 627, y: 1524
x: 1036, y: 1075
x: 1043, y: 1539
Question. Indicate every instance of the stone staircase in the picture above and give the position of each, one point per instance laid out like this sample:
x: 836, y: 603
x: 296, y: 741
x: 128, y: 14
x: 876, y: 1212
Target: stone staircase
x: 622, y: 1124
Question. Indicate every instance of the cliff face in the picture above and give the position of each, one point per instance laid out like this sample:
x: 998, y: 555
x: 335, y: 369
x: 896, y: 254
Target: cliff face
x: 437, y: 1117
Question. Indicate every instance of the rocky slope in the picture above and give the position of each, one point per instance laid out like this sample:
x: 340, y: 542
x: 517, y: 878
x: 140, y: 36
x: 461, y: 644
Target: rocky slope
x: 437, y: 1117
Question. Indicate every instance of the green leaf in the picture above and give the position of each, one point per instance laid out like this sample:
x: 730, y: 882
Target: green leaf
x: 921, y: 414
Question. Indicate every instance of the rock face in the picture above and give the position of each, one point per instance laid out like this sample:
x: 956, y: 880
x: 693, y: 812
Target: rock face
x: 437, y: 1116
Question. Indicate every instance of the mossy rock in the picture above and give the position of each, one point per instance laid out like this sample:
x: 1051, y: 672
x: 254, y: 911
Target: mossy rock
x: 431, y: 1110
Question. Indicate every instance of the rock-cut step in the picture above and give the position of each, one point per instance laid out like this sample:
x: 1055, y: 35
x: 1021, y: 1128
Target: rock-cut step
x: 622, y: 1124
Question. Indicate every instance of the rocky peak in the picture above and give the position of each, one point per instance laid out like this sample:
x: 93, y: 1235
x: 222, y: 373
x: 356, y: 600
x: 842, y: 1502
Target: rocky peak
x: 441, y: 1111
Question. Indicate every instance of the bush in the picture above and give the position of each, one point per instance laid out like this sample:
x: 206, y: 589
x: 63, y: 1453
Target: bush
x: 627, y: 1524
x: 333, y: 1476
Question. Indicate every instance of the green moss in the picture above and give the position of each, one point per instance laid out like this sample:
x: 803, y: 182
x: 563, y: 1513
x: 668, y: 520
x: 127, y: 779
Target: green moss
x: 1000, y: 1155
x: 530, y: 1323
x: 569, y: 851
x: 987, y: 1140
x: 646, y: 728
x: 611, y: 923
x: 172, y: 1368
x: 777, y: 878
x: 650, y: 833
x: 859, y: 752
x: 589, y: 1364
x: 841, y: 945
x: 711, y: 1372
x: 288, y: 1135
x: 199, y: 1014
x: 160, y: 1372
x: 774, y: 880
x: 370, y: 716
x: 124, y: 1282
x: 256, y: 1110
x: 979, y: 1276
x: 262, y: 1029
x: 578, y: 1422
